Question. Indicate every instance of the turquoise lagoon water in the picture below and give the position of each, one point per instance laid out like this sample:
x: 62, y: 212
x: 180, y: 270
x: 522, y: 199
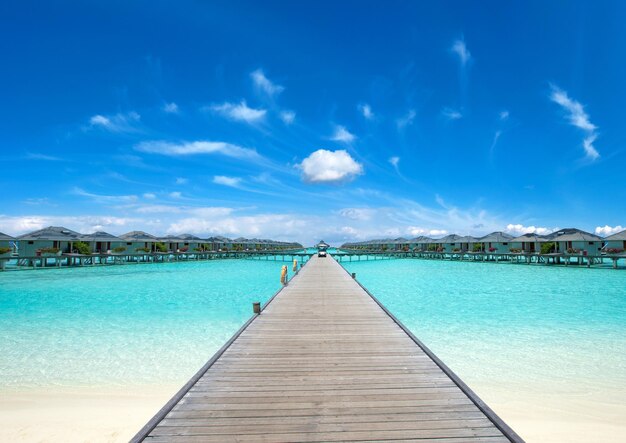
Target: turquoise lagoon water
x: 123, y: 325
x: 528, y: 329
x: 523, y: 327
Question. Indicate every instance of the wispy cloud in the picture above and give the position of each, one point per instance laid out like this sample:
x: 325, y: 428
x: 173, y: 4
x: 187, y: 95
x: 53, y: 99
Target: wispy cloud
x: 101, y: 198
x: 170, y: 108
x: 451, y: 114
x: 341, y: 134
x: 363, y: 214
x: 395, y: 161
x: 118, y: 123
x: 407, y: 119
x: 460, y: 49
x: 196, y: 148
x: 233, y: 182
x: 44, y: 157
x: 324, y: 166
x: 239, y: 112
x: 175, y: 195
x: 496, y: 137
x: 577, y: 117
x: 504, y: 115
x: 149, y: 196
x: 609, y: 230
x: 366, y: 111
x: 182, y: 180
x: 264, y: 84
x: 288, y: 117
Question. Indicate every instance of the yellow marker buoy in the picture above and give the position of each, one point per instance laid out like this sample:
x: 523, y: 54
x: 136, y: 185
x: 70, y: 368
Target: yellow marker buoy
x: 295, y: 265
x: 283, y: 275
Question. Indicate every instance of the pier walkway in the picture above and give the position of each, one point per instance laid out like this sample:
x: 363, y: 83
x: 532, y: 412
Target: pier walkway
x: 324, y: 361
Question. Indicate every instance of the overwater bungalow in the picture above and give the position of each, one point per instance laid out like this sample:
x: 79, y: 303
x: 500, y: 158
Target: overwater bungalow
x: 322, y: 246
x: 184, y: 243
x: 528, y: 243
x: 419, y: 243
x: 53, y: 240
x: 615, y: 243
x: 466, y: 243
x: 575, y: 241
x: 6, y: 242
x: 496, y: 242
x: 139, y: 242
x: 102, y: 242
x: 399, y: 244
x: 220, y: 243
x: 446, y: 244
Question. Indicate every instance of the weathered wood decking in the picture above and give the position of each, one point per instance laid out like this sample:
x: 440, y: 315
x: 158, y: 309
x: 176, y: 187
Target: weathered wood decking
x: 325, y: 362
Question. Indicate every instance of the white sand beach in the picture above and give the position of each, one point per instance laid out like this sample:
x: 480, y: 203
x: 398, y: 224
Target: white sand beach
x: 79, y: 415
x: 115, y: 415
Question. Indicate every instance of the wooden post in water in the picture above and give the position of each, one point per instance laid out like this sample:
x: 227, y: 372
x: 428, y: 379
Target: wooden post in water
x: 256, y: 307
x: 354, y: 275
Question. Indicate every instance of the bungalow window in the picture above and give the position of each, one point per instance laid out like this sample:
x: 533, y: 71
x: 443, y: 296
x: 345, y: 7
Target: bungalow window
x: 505, y: 244
x: 31, y: 242
x: 129, y: 244
x: 590, y: 243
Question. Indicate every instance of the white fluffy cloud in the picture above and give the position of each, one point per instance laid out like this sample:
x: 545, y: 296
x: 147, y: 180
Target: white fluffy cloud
x: 288, y: 117
x: 460, y: 49
x: 341, y: 134
x: 197, y: 147
x: 170, y: 108
x: 116, y: 123
x: 264, y: 84
x: 521, y: 229
x: 233, y: 182
x: 17, y: 225
x: 366, y: 111
x: 608, y: 230
x: 577, y: 117
x: 324, y: 166
x: 416, y: 231
x: 239, y: 112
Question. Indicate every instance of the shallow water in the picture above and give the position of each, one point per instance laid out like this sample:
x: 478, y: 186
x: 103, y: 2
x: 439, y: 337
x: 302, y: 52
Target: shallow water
x: 529, y: 329
x: 123, y: 325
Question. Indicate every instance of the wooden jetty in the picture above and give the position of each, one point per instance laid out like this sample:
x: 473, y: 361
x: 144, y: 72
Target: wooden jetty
x: 70, y: 260
x: 325, y: 361
x: 617, y: 261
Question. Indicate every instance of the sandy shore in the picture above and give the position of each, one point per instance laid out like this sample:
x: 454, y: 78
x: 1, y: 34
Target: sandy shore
x: 92, y: 415
x: 79, y: 415
x: 555, y: 418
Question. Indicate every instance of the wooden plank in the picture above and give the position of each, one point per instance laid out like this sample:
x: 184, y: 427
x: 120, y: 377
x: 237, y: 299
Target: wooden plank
x: 324, y: 362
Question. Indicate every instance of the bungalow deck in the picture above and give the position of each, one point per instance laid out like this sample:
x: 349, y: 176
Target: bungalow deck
x: 616, y: 261
x: 10, y: 263
x: 325, y: 361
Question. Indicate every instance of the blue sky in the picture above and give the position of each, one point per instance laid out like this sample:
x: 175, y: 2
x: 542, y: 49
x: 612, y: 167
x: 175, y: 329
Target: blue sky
x: 334, y: 120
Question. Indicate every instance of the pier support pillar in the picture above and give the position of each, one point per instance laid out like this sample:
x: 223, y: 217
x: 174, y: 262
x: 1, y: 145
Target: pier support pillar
x: 256, y: 308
